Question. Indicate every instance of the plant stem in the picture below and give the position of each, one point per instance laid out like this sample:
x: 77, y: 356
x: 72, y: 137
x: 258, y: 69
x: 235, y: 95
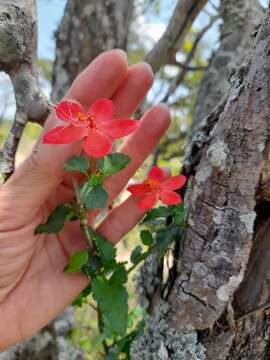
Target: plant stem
x: 83, y: 216
x: 105, y: 346
x: 144, y: 256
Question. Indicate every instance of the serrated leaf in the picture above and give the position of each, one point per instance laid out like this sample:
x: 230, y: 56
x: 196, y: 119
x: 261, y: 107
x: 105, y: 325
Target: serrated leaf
x: 77, y: 261
x: 119, y: 275
x: 136, y: 255
x: 106, y: 250
x: 92, y: 266
x: 164, y: 237
x: 56, y: 220
x: 146, y: 237
x: 96, y: 198
x: 112, y: 301
x: 77, y: 163
x: 160, y: 212
x: 113, y: 163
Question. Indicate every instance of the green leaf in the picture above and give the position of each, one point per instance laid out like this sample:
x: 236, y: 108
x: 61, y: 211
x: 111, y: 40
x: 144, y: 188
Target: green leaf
x: 160, y: 212
x: 119, y: 275
x: 76, y: 261
x: 136, y: 255
x: 164, y: 237
x: 56, y: 220
x: 146, y: 237
x: 92, y: 266
x: 106, y: 250
x: 113, y: 163
x: 96, y: 198
x: 111, y: 356
x: 112, y: 301
x: 77, y: 163
x: 179, y: 216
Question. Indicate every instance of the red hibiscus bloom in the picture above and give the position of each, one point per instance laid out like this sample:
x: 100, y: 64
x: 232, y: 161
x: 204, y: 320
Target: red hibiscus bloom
x: 96, y: 126
x: 157, y: 187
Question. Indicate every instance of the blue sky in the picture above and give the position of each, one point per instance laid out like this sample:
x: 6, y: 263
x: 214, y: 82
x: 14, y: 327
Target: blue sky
x: 50, y: 13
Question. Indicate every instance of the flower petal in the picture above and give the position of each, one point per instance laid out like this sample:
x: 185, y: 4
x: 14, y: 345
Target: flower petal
x: 64, y: 134
x: 148, y: 201
x: 139, y: 189
x: 68, y: 110
x: 119, y: 128
x: 174, y: 182
x: 97, y: 144
x: 102, y: 109
x: 156, y: 174
x: 169, y: 197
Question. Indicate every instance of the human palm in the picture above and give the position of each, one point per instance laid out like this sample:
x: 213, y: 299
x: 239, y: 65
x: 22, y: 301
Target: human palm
x: 33, y: 287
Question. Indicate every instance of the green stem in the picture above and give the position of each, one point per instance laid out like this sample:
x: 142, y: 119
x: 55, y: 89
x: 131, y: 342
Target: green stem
x: 99, y: 318
x: 83, y: 216
x: 144, y: 256
x: 89, y: 241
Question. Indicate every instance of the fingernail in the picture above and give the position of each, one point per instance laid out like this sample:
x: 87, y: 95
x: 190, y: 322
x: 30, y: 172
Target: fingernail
x: 122, y: 53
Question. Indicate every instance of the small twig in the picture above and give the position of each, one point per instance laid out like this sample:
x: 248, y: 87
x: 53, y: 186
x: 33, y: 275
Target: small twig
x: 186, y: 65
x: 93, y: 307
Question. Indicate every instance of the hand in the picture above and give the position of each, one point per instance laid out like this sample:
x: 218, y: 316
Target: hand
x: 33, y: 287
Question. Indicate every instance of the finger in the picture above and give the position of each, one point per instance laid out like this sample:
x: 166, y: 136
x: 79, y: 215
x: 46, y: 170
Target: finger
x: 139, y: 146
x: 120, y: 220
x: 127, y: 97
x: 41, y: 172
x: 132, y: 91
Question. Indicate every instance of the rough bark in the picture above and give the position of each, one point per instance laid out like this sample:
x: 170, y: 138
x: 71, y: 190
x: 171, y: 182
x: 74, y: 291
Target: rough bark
x: 221, y: 292
x: 183, y: 16
x: 88, y: 28
x: 18, y: 34
x: 239, y: 21
x: 224, y: 269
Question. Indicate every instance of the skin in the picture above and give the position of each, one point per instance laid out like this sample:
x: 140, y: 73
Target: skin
x: 33, y: 287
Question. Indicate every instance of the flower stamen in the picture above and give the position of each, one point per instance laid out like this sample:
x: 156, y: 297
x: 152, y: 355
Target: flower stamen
x: 91, y: 121
x: 154, y: 185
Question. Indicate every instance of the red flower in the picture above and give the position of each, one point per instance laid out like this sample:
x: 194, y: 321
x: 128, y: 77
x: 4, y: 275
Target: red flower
x: 156, y: 187
x: 96, y: 126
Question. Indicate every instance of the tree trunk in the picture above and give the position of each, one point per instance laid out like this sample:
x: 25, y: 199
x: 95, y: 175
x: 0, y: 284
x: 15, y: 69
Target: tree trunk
x: 218, y: 308
x: 239, y: 20
x: 164, y: 50
x: 88, y: 28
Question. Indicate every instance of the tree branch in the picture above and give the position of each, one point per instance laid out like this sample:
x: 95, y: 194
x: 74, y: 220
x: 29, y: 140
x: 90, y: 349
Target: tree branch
x: 184, y: 14
x: 18, y: 33
x: 186, y: 66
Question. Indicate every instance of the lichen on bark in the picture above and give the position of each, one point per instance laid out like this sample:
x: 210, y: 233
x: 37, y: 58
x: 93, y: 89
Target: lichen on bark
x: 161, y: 342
